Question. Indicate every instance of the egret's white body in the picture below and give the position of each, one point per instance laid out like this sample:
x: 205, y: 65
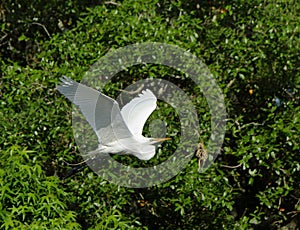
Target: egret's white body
x: 118, y: 131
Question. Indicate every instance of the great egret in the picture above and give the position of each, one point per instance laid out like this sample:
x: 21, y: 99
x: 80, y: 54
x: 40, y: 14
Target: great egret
x: 118, y: 131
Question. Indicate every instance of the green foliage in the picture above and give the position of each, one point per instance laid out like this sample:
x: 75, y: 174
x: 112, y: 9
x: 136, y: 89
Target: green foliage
x: 252, y: 48
x: 29, y: 199
x: 24, y: 25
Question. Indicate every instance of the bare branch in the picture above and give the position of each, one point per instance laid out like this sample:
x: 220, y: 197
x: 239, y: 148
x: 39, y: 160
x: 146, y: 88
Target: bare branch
x: 39, y: 24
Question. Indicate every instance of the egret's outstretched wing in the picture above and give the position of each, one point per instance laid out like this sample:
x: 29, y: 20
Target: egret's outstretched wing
x: 101, y: 112
x: 138, y: 110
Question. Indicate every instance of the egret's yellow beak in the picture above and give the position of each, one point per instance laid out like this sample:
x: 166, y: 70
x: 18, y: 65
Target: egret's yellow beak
x: 162, y: 139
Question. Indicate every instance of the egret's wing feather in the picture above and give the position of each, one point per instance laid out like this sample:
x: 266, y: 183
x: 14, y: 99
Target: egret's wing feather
x: 101, y: 112
x: 138, y: 110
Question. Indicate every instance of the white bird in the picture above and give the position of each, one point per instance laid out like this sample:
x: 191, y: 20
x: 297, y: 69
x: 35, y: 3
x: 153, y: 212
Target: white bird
x: 118, y: 131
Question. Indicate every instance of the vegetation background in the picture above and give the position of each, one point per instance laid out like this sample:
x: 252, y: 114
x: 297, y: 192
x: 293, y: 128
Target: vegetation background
x: 252, y: 47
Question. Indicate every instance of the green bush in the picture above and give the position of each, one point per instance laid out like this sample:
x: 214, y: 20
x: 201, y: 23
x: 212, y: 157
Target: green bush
x: 29, y: 199
x: 25, y: 25
x: 251, y: 47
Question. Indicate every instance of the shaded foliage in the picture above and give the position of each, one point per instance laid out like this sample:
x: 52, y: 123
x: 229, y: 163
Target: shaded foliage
x: 251, y: 47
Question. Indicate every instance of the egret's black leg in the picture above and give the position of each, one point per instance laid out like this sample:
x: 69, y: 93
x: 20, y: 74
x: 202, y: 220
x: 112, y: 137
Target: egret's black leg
x: 77, y: 169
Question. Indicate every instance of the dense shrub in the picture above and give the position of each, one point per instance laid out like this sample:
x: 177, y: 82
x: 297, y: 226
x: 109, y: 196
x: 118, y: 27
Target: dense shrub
x: 24, y: 25
x: 29, y: 199
x: 251, y: 47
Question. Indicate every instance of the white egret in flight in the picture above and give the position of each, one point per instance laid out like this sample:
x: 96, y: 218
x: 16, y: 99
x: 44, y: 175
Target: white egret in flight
x: 118, y: 131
